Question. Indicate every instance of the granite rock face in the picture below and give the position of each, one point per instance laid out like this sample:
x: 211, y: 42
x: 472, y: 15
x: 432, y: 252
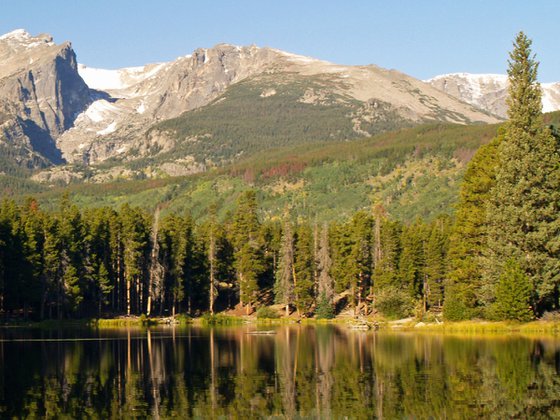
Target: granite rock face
x: 41, y: 93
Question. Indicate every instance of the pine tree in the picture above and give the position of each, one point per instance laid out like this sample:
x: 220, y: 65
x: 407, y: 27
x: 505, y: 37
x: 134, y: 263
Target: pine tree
x: 325, y: 290
x: 213, y: 251
x: 361, y: 256
x: 386, y: 255
x: 411, y: 259
x: 156, y: 269
x: 135, y: 228
x: 513, y: 294
x: 341, y: 254
x: 303, y: 269
x: 5, y: 253
x: 73, y: 258
x: 324, y: 309
x: 284, y: 287
x: 249, y: 258
x: 98, y: 240
x: 435, y: 250
x: 524, y: 208
x: 176, y: 245
x: 52, y: 268
x: 463, y: 285
x: 32, y: 246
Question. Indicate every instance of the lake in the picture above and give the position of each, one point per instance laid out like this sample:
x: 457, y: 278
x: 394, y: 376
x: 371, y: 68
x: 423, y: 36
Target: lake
x: 298, y: 372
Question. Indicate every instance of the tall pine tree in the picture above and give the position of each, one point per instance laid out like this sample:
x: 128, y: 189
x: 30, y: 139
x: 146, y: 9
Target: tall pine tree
x: 463, y: 283
x: 284, y: 286
x: 523, y: 213
x: 248, y: 250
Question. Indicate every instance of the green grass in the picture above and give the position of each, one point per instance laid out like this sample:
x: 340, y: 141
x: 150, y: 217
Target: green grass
x: 491, y: 328
x: 141, y: 320
x: 221, y: 320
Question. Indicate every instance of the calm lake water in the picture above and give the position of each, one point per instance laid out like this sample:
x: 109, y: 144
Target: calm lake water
x: 299, y: 372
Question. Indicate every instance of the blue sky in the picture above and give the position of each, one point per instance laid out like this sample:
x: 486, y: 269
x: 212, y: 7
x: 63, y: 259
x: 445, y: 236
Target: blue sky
x: 420, y: 37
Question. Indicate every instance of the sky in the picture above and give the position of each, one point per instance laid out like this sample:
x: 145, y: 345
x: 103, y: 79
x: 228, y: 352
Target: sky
x: 422, y: 38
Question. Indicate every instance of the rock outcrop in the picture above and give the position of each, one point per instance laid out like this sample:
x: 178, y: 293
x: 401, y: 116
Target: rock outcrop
x: 41, y: 91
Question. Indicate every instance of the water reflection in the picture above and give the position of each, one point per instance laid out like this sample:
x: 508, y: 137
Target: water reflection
x: 302, y: 371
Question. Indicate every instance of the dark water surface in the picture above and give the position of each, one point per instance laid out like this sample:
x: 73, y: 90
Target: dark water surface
x: 299, y: 372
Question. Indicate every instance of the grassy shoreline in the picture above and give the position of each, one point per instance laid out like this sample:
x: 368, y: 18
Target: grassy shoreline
x: 491, y: 327
x: 476, y: 327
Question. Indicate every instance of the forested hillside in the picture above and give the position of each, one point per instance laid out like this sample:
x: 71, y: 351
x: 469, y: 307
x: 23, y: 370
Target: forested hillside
x: 270, y: 112
x: 413, y: 172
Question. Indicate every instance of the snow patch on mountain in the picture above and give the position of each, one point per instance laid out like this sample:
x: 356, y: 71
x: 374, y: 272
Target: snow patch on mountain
x: 98, y: 111
x: 20, y: 39
x: 109, y: 129
x: 297, y: 58
x: 119, y: 79
x: 489, y: 91
x: 551, y: 97
x: 474, y: 87
x: 16, y: 34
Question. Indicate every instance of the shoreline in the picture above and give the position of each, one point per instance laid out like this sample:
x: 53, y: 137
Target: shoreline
x: 474, y: 327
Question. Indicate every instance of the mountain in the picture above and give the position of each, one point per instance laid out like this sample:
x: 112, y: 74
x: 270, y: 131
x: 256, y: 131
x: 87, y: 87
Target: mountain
x: 231, y: 87
x: 412, y: 171
x: 489, y: 91
x: 41, y: 93
x: 202, y: 110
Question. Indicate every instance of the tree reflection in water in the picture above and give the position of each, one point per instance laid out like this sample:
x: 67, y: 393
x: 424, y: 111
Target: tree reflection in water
x: 305, y: 371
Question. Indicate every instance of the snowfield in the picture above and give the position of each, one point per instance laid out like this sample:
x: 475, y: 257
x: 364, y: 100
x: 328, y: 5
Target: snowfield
x: 119, y: 79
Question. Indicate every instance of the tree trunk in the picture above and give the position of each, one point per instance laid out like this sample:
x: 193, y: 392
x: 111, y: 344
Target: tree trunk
x: 149, y: 305
x: 212, y: 258
x: 425, y: 294
x: 241, y: 289
x: 127, y: 294
x: 295, y: 290
x: 119, y: 283
x: 59, y: 300
x: 360, y: 285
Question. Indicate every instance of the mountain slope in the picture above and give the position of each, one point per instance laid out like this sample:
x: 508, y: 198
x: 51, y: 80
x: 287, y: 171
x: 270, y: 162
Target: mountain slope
x: 41, y: 93
x: 225, y: 102
x: 413, y: 171
x: 205, y: 109
x: 489, y: 91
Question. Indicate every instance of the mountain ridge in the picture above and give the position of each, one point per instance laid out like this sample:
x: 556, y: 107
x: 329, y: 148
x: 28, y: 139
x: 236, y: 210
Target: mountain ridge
x: 489, y: 91
x: 129, y: 115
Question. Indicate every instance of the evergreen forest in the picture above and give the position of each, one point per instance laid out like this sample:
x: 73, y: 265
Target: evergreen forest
x: 497, y: 257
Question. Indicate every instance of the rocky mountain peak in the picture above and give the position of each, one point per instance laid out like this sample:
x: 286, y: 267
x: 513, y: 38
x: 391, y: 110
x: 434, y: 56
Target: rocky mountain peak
x: 41, y: 92
x: 19, y: 37
x: 64, y: 110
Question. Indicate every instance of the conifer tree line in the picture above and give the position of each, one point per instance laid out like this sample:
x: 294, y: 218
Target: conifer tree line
x: 103, y: 262
x: 498, y: 258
